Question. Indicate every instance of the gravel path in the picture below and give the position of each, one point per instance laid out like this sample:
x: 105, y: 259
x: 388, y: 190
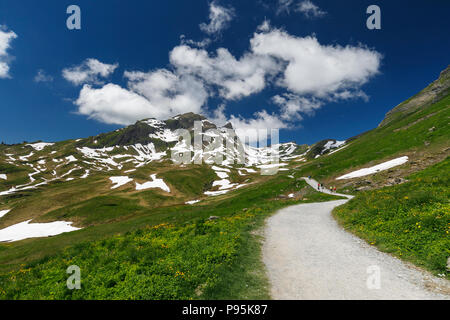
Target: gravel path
x: 308, y: 256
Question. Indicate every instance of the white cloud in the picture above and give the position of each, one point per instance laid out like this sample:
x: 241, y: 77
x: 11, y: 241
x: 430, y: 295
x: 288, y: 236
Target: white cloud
x: 88, y: 72
x: 292, y: 106
x: 4, y: 70
x: 114, y: 105
x: 5, y: 43
x: 316, y: 69
x: 264, y: 26
x: 200, y: 44
x: 173, y: 94
x: 234, y: 78
x: 253, y: 129
x: 309, y: 74
x: 219, y: 18
x: 284, y: 6
x: 309, y: 9
x: 261, y: 121
x: 158, y: 94
x: 41, y: 76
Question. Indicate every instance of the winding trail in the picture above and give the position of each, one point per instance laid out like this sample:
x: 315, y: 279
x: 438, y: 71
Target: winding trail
x: 309, y: 256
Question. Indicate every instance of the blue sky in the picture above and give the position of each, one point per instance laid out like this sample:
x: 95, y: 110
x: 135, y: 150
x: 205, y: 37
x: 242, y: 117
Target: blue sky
x: 136, y: 38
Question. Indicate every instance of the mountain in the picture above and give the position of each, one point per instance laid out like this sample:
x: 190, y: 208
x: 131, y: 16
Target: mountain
x: 141, y: 226
x: 129, y: 148
x: 324, y: 147
x: 132, y: 159
x: 424, y: 99
x: 417, y: 129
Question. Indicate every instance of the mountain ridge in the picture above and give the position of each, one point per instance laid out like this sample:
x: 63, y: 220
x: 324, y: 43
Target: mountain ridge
x: 428, y: 96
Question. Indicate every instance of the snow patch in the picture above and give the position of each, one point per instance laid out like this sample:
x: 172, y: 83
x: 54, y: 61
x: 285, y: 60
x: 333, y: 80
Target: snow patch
x: 26, y: 230
x: 4, y: 212
x: 215, y: 168
x: 40, y: 145
x: 3, y: 176
x: 156, y: 183
x: 224, y: 184
x: 333, y: 145
x: 167, y: 136
x: 216, y: 193
x: 380, y: 167
x: 119, y: 181
x: 86, y: 174
x: 71, y: 159
x: 222, y: 175
x: 25, y: 158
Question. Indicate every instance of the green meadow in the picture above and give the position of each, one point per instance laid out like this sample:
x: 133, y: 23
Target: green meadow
x: 410, y: 220
x: 173, y: 252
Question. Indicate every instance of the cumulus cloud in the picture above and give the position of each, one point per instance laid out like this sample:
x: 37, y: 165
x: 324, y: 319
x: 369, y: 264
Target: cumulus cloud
x: 309, y: 9
x: 293, y: 106
x: 234, y: 78
x: 114, y: 105
x: 219, y: 18
x: 6, y: 38
x: 41, y: 76
x: 261, y: 121
x: 308, y: 74
x: 170, y: 92
x: 157, y: 94
x: 88, y: 72
x: 316, y: 69
x: 250, y: 130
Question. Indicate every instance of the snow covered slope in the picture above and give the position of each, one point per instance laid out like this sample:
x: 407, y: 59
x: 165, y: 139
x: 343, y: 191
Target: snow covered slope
x: 133, y: 147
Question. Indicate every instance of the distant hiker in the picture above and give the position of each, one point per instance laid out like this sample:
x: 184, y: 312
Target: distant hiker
x: 318, y: 186
x: 334, y: 189
x: 331, y: 189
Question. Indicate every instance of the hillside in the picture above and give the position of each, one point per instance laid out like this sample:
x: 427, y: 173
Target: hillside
x: 176, y: 235
x: 125, y: 172
x: 400, y: 176
x: 420, y: 133
x: 126, y: 213
x: 427, y: 97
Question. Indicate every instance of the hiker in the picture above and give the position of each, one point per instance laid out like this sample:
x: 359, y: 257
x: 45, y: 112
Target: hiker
x: 334, y: 189
x: 331, y: 189
x: 318, y: 186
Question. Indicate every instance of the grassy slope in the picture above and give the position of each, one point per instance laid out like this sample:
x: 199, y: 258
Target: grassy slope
x: 411, y: 220
x: 166, y: 253
x: 387, y: 142
x: 107, y: 218
x: 91, y: 201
